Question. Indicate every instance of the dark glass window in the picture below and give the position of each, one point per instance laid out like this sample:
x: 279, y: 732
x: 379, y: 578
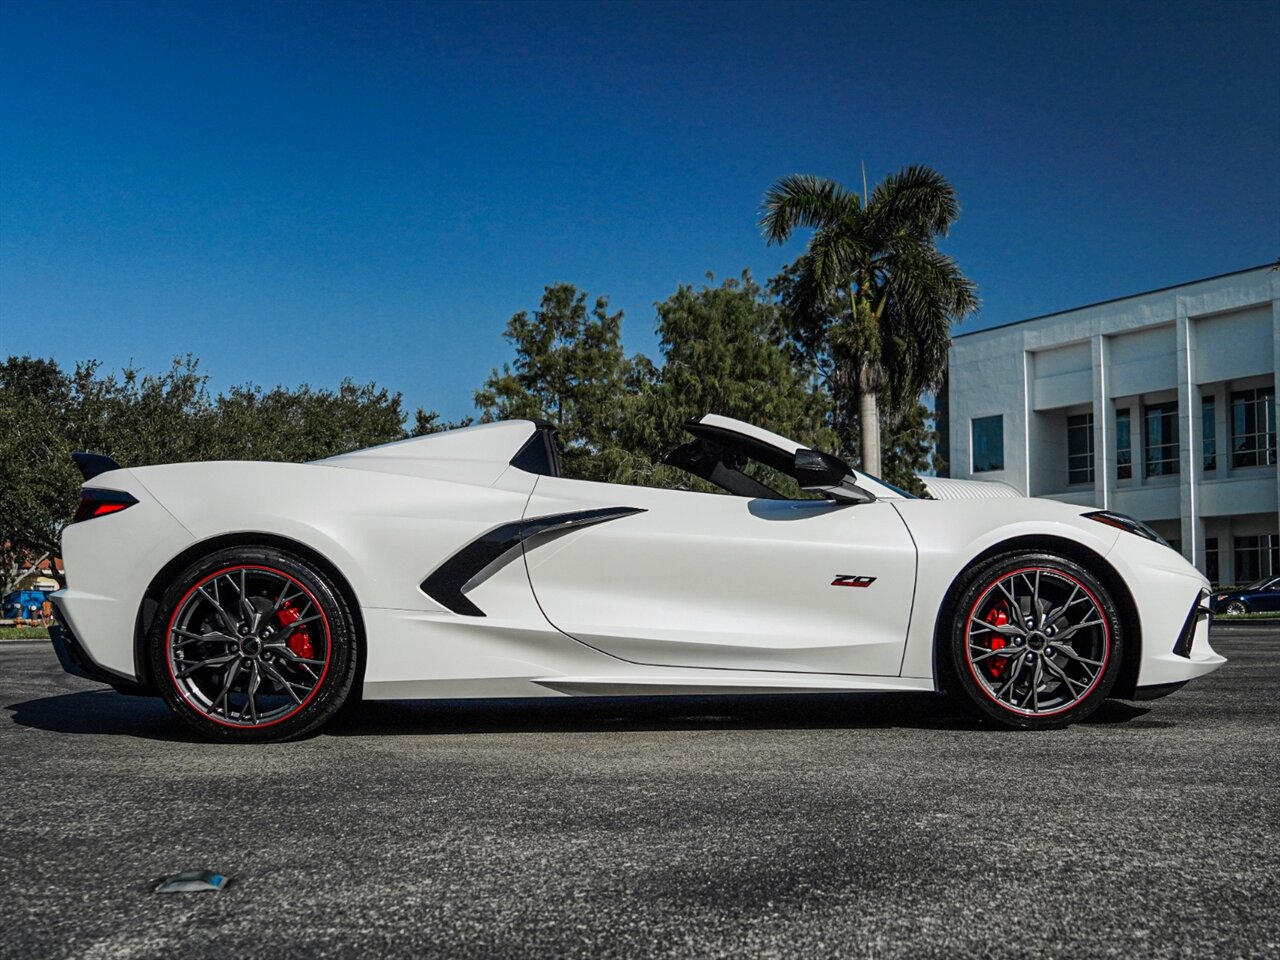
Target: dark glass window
x: 1208, y: 433
x: 1253, y: 427
x: 1124, y: 446
x: 1257, y: 557
x: 1211, y: 559
x: 1080, y: 448
x: 988, y: 443
x: 1161, y: 439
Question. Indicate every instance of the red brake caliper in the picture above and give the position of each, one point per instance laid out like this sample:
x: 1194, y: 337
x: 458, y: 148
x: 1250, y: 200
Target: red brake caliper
x: 997, y: 617
x: 300, y: 640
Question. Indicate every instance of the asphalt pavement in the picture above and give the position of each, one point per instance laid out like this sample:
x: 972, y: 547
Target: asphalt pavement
x: 874, y: 826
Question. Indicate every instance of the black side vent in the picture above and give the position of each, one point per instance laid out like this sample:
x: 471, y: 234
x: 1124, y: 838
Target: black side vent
x: 1188, y: 635
x: 448, y: 583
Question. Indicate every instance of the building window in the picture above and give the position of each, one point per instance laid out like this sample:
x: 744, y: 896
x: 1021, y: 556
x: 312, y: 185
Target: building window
x: 988, y: 443
x: 1208, y: 433
x: 1253, y: 427
x: 1211, y: 559
x: 1257, y: 557
x: 1080, y: 448
x: 1161, y: 439
x: 1124, y: 448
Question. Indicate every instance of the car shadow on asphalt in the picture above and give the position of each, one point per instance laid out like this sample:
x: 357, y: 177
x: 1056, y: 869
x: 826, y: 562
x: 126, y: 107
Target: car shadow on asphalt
x: 95, y: 712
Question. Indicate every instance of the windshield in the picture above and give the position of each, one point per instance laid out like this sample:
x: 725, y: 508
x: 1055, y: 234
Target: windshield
x: 1257, y: 584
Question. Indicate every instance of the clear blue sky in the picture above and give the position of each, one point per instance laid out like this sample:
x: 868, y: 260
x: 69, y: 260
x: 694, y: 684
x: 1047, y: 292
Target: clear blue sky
x: 303, y: 192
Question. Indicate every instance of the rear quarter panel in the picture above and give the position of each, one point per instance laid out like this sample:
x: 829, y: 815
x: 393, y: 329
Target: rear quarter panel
x: 384, y: 532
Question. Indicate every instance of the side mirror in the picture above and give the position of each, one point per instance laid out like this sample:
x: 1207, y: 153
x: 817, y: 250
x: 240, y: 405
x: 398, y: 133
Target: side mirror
x: 830, y: 476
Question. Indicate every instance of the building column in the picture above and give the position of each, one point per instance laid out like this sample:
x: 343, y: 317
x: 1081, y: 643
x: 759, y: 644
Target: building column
x: 1275, y: 359
x: 1104, y: 428
x: 1189, y: 439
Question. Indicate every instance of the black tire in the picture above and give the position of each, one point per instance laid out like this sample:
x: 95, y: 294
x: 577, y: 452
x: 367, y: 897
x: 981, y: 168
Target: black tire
x: 1074, y: 657
x: 1235, y: 608
x: 300, y: 673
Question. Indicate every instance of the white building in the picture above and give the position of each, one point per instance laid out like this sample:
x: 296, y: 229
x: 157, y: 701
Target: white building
x: 1160, y: 405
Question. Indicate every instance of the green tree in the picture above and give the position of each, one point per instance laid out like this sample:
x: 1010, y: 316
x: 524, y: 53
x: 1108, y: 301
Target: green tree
x: 140, y: 419
x: 872, y: 300
x: 909, y: 440
x: 37, y: 479
x: 428, y: 421
x: 570, y: 370
x: 305, y: 423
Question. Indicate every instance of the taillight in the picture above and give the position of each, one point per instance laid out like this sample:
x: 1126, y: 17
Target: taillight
x: 99, y: 503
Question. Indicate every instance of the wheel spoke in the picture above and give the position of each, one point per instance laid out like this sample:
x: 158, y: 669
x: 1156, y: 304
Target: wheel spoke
x: 232, y: 673
x: 189, y: 637
x: 226, y: 618
x: 284, y: 634
x: 284, y: 651
x: 1055, y: 614
x: 217, y: 661
x: 1013, y: 678
x: 1001, y: 652
x: 1071, y: 684
x: 255, y: 678
x: 288, y: 685
x: 248, y: 613
x: 1075, y: 628
x: 1012, y: 599
x: 1004, y: 629
x: 1065, y: 650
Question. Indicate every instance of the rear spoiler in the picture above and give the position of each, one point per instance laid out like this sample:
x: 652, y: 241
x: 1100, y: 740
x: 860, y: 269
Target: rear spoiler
x: 92, y: 464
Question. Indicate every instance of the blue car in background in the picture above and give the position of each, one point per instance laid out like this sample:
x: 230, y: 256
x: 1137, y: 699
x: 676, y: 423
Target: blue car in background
x: 1261, y: 596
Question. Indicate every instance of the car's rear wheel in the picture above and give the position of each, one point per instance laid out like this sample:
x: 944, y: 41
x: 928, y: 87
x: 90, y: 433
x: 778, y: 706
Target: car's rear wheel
x: 1036, y: 640
x: 253, y: 644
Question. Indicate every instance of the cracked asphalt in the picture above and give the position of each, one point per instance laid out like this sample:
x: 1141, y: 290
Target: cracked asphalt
x: 875, y: 826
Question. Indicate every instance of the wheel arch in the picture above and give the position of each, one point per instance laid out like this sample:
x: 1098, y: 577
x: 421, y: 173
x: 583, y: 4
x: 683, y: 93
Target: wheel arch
x: 1092, y: 561
x: 160, y: 582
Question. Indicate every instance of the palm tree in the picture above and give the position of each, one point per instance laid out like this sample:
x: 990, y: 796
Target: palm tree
x: 872, y: 297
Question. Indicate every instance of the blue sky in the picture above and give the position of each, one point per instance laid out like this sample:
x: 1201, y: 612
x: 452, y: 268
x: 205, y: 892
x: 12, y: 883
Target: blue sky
x: 302, y: 192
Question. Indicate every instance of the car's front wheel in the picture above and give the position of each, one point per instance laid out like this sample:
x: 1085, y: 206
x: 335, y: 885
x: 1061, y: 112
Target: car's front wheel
x: 1236, y: 608
x: 1036, y: 640
x: 253, y: 644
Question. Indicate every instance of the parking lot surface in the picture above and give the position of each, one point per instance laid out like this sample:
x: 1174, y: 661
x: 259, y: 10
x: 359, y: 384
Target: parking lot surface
x: 880, y: 826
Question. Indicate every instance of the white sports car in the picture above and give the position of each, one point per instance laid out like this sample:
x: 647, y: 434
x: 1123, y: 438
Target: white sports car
x: 255, y: 598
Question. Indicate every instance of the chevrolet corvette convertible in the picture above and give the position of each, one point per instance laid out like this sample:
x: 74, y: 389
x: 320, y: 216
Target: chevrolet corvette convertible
x: 256, y: 598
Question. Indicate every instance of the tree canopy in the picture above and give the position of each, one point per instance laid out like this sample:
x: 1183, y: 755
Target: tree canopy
x: 872, y: 300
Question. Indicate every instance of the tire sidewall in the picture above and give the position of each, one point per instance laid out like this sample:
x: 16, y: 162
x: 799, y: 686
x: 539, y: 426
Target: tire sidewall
x: 337, y: 680
x: 975, y: 583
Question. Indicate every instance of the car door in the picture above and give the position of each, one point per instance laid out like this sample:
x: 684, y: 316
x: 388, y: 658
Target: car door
x: 677, y: 578
x: 1267, y: 599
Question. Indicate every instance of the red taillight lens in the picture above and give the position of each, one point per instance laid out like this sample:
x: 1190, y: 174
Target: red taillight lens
x: 99, y: 503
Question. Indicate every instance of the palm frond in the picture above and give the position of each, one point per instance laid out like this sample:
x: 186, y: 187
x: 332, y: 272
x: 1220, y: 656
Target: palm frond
x: 916, y: 198
x: 804, y: 200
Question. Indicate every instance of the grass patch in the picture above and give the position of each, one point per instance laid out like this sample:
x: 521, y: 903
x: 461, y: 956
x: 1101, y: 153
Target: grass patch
x: 24, y: 633
x: 1228, y: 618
